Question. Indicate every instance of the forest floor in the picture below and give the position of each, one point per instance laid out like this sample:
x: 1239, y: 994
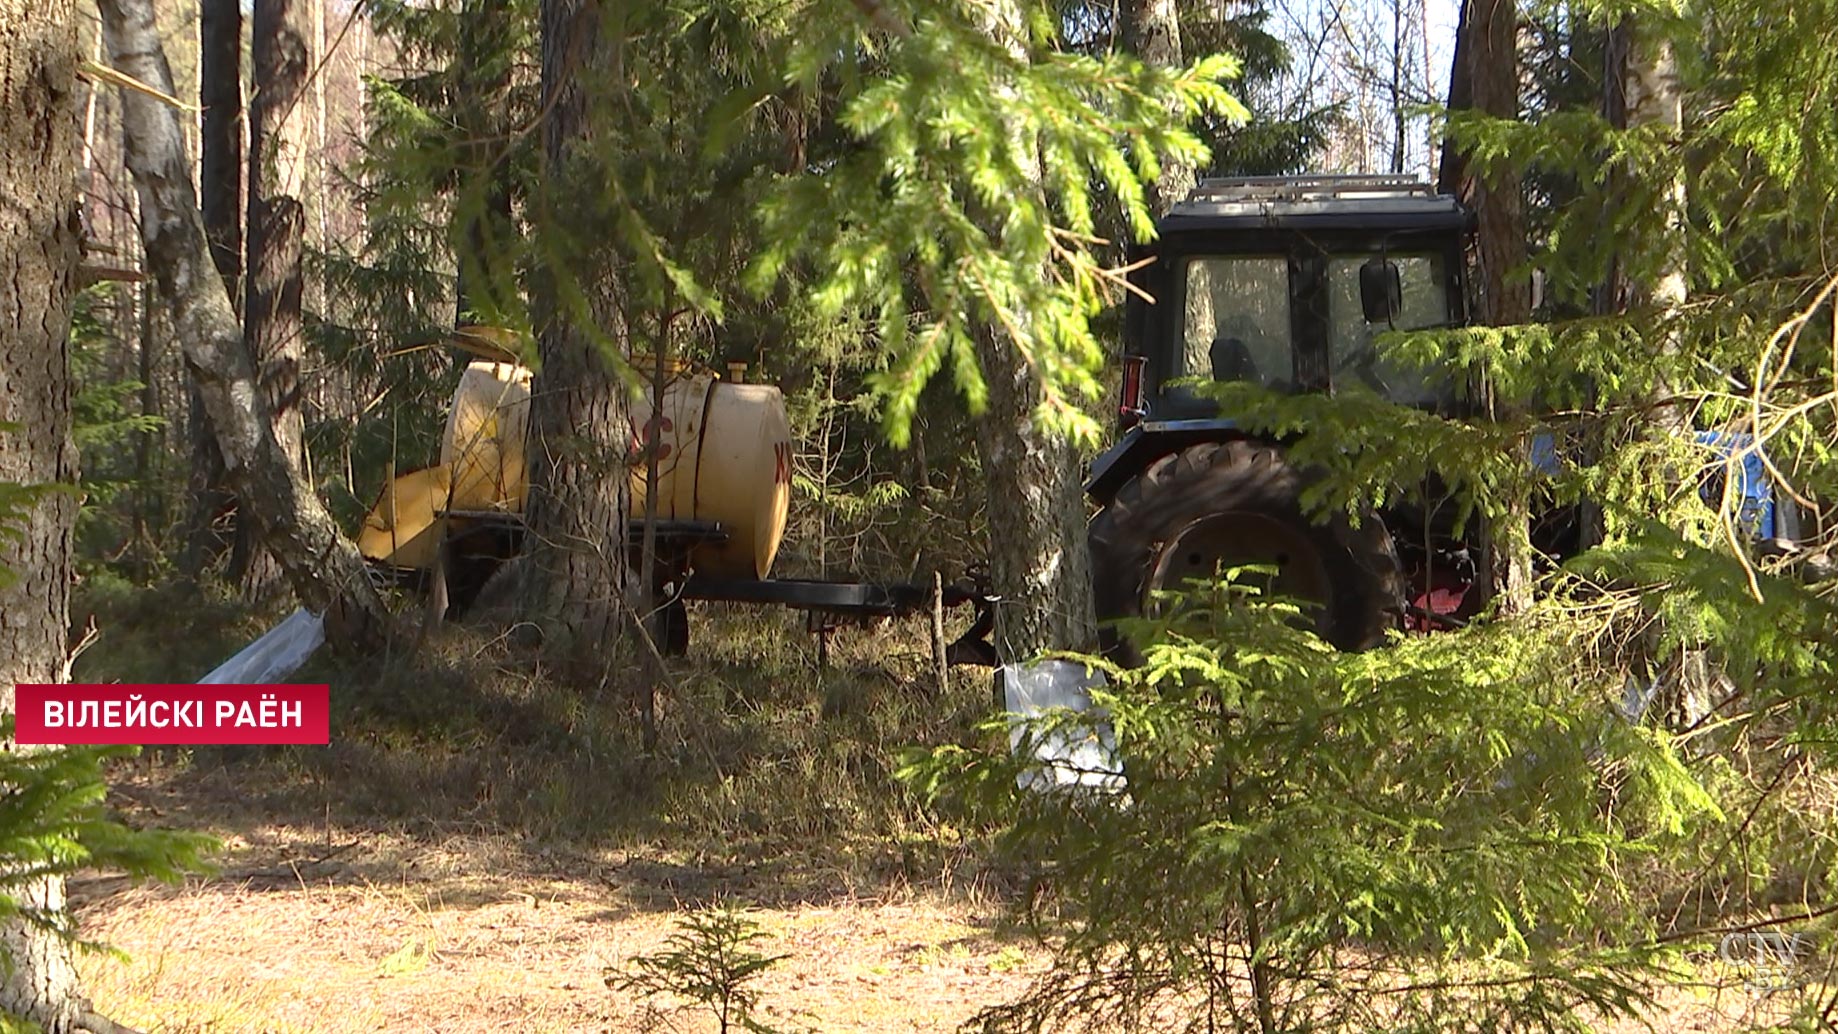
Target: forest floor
x: 475, y: 933
x: 477, y: 851
x: 301, y: 933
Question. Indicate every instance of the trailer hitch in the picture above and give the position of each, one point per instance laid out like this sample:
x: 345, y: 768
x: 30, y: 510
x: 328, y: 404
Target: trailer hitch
x: 974, y: 647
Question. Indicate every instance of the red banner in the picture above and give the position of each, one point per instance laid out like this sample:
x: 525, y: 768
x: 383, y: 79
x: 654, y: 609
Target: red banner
x: 181, y: 714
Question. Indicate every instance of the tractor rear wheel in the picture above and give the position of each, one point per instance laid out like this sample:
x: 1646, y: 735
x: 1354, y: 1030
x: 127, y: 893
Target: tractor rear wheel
x: 1226, y: 504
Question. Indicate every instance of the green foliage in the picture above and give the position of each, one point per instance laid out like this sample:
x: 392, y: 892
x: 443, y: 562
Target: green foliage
x: 110, y: 431
x: 16, y: 503
x: 1458, y: 832
x: 1420, y: 838
x: 710, y: 961
x: 967, y: 201
x: 53, y: 823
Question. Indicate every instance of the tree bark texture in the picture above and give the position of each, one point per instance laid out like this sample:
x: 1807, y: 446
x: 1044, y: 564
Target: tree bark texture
x: 322, y: 565
x: 1486, y: 79
x: 275, y: 227
x: 1035, y: 498
x: 1152, y: 32
x: 1653, y: 98
x: 40, y: 136
x: 220, y: 175
x: 221, y: 189
x: 580, y: 435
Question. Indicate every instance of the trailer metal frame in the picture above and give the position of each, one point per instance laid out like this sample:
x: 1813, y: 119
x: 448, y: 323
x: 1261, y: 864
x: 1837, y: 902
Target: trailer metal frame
x: 495, y: 536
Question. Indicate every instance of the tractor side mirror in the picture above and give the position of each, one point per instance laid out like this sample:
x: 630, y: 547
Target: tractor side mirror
x: 1381, y: 290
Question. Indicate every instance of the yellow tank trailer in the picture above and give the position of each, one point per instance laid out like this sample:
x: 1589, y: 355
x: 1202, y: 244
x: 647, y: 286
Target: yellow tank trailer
x: 724, y: 456
x: 724, y: 462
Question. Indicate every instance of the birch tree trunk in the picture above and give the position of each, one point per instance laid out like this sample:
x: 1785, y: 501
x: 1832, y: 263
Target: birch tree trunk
x: 580, y: 434
x: 322, y: 565
x: 40, y: 139
x: 275, y: 230
x: 1653, y: 98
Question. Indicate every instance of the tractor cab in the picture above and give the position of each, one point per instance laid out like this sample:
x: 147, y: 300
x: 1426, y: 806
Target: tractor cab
x: 1286, y: 282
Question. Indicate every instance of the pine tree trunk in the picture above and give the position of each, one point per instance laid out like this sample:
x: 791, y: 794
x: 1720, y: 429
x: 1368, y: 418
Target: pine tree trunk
x: 221, y: 194
x: 580, y: 434
x: 40, y: 139
x: 220, y: 94
x: 321, y: 564
x: 275, y: 227
x: 1486, y: 78
x: 1152, y: 32
x: 1035, y: 497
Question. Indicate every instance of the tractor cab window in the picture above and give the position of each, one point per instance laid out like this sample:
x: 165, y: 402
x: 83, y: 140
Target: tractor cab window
x: 1355, y: 358
x: 1236, y: 321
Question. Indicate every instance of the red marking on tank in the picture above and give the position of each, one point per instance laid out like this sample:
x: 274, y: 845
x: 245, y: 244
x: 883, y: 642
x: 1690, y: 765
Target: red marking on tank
x: 658, y: 424
x: 781, y: 463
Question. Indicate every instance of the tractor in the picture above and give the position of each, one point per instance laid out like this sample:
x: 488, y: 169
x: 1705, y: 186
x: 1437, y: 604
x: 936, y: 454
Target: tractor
x: 1283, y: 282
x: 1286, y: 282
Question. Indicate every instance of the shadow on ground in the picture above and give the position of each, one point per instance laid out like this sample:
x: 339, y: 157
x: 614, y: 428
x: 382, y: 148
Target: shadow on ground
x: 773, y: 780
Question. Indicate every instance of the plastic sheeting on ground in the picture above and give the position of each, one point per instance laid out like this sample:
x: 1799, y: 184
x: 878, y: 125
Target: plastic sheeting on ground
x: 1066, y: 758
x: 275, y: 655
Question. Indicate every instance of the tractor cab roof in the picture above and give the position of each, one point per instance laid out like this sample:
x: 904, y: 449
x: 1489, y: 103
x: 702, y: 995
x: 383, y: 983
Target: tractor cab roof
x: 1316, y: 203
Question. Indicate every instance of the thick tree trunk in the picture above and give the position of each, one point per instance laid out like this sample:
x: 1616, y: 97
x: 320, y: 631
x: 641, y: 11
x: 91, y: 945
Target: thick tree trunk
x: 321, y: 564
x: 1453, y: 165
x: 1038, y: 557
x: 220, y: 187
x: 275, y: 228
x: 580, y: 435
x: 1486, y: 78
x: 40, y: 134
x: 220, y: 93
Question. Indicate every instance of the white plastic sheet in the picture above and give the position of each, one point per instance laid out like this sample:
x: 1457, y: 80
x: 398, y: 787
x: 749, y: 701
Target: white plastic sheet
x: 275, y: 655
x: 1065, y: 758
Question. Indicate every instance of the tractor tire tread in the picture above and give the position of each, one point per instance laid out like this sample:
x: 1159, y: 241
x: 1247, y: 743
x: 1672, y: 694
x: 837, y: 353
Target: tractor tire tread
x: 1240, y: 474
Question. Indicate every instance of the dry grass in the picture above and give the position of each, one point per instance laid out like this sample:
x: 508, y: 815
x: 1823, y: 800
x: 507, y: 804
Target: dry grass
x: 470, y: 936
x: 480, y: 844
